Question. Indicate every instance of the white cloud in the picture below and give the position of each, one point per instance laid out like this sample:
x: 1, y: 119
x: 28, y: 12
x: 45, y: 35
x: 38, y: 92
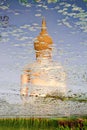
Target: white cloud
x: 56, y: 7
x: 17, y: 30
x: 60, y: 11
x: 76, y: 8
x: 25, y: 26
x: 37, y: 15
x: 84, y: 43
x: 76, y: 13
x: 65, y: 13
x: 16, y: 13
x: 5, y: 40
x: 67, y: 24
x: 39, y: 10
x: 44, y: 6
x: 39, y: 5
x: 32, y: 29
x: 67, y: 5
x: 35, y: 24
x: 71, y: 14
x: 16, y: 45
x: 28, y: 5
x: 81, y: 15
x: 4, y: 7
x: 59, y: 23
x: 4, y: 34
x: 15, y: 35
x: 82, y: 22
x: 23, y: 38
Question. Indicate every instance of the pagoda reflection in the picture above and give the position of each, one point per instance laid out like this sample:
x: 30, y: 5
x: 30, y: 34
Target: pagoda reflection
x: 44, y: 76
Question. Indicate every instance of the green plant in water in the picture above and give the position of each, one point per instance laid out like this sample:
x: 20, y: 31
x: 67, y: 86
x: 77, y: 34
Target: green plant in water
x: 85, y: 0
x: 43, y: 123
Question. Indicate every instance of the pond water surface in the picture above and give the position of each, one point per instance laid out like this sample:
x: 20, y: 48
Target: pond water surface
x: 67, y: 25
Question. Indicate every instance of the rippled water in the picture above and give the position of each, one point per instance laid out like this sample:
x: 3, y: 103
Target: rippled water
x: 11, y: 105
x: 68, y: 29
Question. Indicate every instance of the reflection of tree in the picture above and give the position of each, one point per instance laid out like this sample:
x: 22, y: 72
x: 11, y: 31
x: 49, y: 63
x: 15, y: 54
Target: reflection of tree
x: 37, y: 0
x: 2, y: 2
x: 52, y: 1
x: 48, y: 1
x: 4, y: 21
x: 0, y: 37
x: 23, y: 1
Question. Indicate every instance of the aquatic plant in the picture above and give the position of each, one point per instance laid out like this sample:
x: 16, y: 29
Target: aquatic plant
x: 74, y: 97
x: 44, y: 123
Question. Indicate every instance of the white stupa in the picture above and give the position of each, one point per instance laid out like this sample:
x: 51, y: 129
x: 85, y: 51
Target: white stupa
x: 43, y: 77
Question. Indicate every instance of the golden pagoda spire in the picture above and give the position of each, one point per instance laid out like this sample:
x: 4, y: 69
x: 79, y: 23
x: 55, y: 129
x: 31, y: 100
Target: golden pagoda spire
x: 43, y: 41
x: 43, y: 28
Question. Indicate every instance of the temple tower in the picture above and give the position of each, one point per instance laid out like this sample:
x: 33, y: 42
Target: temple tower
x: 43, y: 42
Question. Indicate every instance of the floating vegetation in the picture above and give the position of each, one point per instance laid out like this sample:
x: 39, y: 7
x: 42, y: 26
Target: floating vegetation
x: 74, y: 97
x: 79, y: 123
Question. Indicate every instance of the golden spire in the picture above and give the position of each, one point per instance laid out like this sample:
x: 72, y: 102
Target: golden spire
x: 43, y: 28
x: 43, y: 22
x: 43, y: 41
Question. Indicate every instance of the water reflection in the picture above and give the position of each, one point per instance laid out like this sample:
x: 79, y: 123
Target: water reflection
x: 44, y: 76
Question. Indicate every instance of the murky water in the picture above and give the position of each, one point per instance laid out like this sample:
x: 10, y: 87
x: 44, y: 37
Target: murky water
x: 66, y: 22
